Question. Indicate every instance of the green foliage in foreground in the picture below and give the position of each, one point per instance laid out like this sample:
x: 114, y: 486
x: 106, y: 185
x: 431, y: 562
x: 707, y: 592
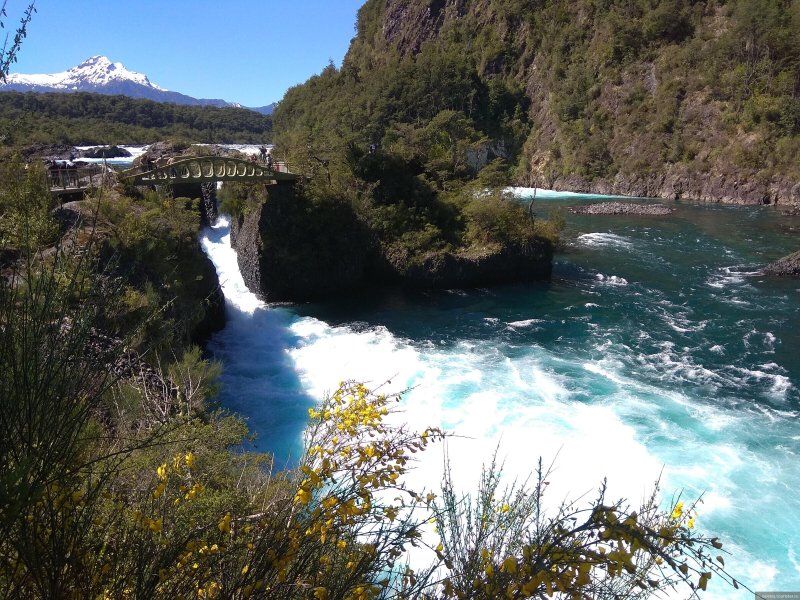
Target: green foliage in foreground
x: 117, y: 483
x: 84, y: 119
x: 169, y: 285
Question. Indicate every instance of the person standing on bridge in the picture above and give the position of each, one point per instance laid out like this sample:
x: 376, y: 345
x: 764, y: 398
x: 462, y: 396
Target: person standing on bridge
x: 263, y: 151
x: 269, y: 159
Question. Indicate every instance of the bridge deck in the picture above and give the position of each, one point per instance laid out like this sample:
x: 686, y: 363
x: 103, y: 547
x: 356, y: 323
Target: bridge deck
x: 209, y: 168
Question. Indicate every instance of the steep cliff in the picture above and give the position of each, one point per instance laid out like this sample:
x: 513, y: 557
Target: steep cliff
x: 677, y: 98
x: 291, y: 249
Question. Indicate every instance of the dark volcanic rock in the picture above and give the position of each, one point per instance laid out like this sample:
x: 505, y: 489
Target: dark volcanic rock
x: 788, y: 266
x: 105, y: 152
x: 208, y: 203
x: 492, y: 266
x: 210, y: 295
x: 289, y: 249
x: 622, y: 208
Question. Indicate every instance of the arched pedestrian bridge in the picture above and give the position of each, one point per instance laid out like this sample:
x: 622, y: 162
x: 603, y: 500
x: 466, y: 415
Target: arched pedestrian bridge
x: 206, y: 169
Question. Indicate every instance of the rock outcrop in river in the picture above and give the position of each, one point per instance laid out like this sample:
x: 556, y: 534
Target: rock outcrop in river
x: 291, y: 250
x: 622, y: 208
x: 788, y: 266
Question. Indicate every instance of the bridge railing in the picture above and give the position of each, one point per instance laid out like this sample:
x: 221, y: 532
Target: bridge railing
x: 80, y: 178
x: 206, y: 168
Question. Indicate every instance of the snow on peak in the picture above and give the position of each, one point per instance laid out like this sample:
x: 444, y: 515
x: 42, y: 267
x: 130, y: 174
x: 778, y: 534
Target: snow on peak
x: 95, y: 71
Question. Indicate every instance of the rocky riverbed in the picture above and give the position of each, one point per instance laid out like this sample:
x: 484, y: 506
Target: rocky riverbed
x: 622, y: 208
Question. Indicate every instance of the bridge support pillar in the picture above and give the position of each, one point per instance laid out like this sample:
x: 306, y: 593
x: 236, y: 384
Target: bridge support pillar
x: 208, y: 203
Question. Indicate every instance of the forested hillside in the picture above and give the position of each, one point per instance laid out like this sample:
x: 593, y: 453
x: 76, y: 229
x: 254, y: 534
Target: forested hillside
x: 84, y: 118
x: 671, y: 98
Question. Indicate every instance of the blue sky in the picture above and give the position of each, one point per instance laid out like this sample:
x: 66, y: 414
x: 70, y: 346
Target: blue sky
x: 247, y: 51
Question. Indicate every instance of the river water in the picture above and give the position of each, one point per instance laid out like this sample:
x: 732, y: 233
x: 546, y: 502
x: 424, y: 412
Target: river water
x: 655, y: 350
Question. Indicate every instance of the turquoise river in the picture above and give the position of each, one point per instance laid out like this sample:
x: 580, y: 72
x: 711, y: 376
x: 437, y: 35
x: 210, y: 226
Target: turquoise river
x: 656, y: 350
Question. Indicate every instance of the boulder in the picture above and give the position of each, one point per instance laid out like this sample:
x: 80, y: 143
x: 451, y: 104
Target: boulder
x: 105, y: 152
x: 289, y: 249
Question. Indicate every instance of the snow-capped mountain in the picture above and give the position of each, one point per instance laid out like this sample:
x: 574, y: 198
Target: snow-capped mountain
x: 101, y: 76
x: 95, y: 72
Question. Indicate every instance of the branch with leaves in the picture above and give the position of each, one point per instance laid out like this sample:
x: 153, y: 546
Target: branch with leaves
x: 8, y: 54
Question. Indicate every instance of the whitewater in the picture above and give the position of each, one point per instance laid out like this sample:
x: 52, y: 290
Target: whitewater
x: 656, y: 351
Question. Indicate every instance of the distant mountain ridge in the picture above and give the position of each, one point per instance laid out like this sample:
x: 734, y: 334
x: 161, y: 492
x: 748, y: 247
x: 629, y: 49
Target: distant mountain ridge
x: 99, y: 75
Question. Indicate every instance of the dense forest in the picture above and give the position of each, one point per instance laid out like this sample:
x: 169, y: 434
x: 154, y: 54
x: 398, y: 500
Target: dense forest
x: 84, y: 119
x: 674, y: 98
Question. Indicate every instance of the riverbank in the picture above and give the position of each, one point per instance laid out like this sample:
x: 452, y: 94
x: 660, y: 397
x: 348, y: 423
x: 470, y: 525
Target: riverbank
x: 675, y: 182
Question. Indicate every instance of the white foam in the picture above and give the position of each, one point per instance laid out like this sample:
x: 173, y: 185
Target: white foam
x: 611, y: 279
x: 525, y: 323
x: 249, y: 149
x: 528, y: 193
x: 604, y: 240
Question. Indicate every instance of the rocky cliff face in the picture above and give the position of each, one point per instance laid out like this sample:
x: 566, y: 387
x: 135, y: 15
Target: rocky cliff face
x: 289, y: 250
x: 489, y: 266
x: 678, y: 99
x: 209, y: 294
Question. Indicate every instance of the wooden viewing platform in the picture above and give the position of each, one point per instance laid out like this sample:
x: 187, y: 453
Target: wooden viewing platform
x: 76, y: 180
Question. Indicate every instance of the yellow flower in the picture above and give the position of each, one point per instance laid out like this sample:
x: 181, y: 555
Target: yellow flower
x: 155, y: 525
x: 189, y: 458
x: 690, y: 523
x: 197, y: 488
x: 302, y: 496
x: 225, y: 524
x: 677, y: 511
x: 505, y: 508
x: 162, y: 471
x: 321, y: 593
x: 510, y: 565
x: 159, y: 489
